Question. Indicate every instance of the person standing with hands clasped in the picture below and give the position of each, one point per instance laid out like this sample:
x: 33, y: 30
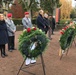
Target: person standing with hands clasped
x: 26, y: 21
x: 47, y: 23
x: 40, y: 21
x: 3, y: 35
x: 11, y: 32
x: 52, y: 23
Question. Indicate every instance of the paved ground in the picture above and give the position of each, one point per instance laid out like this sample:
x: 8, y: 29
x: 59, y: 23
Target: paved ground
x: 67, y: 66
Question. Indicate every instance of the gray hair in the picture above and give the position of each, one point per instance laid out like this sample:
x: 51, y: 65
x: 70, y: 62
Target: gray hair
x: 45, y: 15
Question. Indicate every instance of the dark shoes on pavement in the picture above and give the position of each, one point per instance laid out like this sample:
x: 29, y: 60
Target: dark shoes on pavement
x: 10, y: 50
x: 4, y: 55
x: 13, y: 49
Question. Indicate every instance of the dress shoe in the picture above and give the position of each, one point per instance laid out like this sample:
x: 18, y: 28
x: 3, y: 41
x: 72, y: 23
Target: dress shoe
x: 3, y: 56
x: 13, y: 49
x: 10, y: 50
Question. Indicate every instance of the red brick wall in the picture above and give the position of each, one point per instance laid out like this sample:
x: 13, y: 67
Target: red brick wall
x: 17, y: 10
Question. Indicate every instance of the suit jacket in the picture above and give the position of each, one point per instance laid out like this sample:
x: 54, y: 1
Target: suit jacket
x: 10, y: 27
x: 40, y: 22
x: 26, y: 23
x: 3, y: 33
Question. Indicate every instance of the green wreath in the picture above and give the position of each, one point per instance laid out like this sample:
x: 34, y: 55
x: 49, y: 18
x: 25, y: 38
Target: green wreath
x: 67, y: 38
x: 32, y: 38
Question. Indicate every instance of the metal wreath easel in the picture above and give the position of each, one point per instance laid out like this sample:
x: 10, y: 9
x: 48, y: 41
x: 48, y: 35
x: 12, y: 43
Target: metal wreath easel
x: 23, y: 68
x: 66, y: 51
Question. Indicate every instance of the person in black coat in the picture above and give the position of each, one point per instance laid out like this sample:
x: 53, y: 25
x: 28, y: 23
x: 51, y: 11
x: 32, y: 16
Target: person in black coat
x: 52, y: 23
x: 3, y: 35
x: 40, y: 21
x: 47, y: 23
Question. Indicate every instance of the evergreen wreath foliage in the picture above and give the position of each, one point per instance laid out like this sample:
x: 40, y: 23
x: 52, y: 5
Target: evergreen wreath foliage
x: 67, y: 37
x: 30, y: 37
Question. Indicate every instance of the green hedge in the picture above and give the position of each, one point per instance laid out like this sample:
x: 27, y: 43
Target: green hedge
x: 34, y: 21
x: 19, y: 21
x: 64, y: 21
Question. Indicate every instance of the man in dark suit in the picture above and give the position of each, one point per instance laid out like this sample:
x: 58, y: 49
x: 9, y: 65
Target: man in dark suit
x: 52, y: 23
x: 40, y: 21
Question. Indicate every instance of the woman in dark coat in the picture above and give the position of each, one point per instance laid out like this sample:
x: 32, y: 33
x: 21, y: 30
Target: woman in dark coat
x: 3, y: 35
x: 47, y: 23
x: 40, y: 21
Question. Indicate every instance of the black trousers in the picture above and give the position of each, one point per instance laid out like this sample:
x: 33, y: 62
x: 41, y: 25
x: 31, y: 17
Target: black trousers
x: 49, y: 32
x: 11, y: 42
x: 2, y: 48
x: 52, y: 31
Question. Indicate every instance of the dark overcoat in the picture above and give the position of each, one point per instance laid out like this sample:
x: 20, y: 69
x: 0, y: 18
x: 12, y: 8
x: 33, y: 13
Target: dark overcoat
x: 3, y: 33
x: 52, y: 23
x: 47, y: 24
x: 40, y: 22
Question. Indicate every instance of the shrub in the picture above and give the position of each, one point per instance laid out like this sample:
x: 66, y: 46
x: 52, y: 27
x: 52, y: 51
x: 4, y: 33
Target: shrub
x: 19, y: 21
x: 34, y: 21
x: 64, y: 21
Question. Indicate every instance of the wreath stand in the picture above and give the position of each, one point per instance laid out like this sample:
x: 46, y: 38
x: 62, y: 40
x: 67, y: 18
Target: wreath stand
x: 66, y: 51
x: 22, y: 68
